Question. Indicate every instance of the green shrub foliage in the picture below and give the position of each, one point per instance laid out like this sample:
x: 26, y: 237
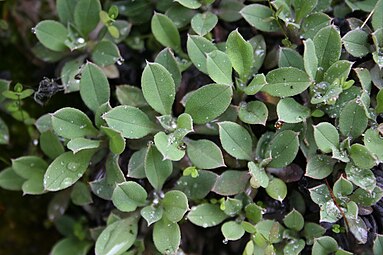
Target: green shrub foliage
x: 242, y: 108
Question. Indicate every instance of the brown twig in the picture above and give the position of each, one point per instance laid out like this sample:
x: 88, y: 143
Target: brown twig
x: 337, y: 205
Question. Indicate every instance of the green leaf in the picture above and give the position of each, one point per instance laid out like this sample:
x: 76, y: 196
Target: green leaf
x: 313, y: 23
x: 198, y: 187
x: 136, y: 164
x: 259, y: 176
x: 66, y: 169
x: 65, y: 10
x: 240, y: 53
x: 10, y: 180
x: 232, y: 230
x: 235, y: 140
x: 366, y: 198
x: 294, y: 247
x: 363, y: 178
x: 166, y: 236
x: 326, y: 137
x: 270, y: 230
x: 277, y: 189
x: 374, y: 142
x: 208, y: 102
x: 342, y: 188
x: 312, y: 230
x: 152, y: 214
x: 361, y: 156
x: 256, y: 84
x: 294, y: 220
x: 105, y: 186
x: 229, y: 10
x: 339, y: 70
x: 260, y: 17
x: 253, y: 212
x: 356, y: 43
x: 116, y: 140
x: 204, y: 154
x: 51, y: 34
x: 158, y: 88
x: 290, y: 58
x: 130, y: 95
x: 353, y: 120
x: 165, y: 31
x: 80, y: 194
x: 157, y: 170
x: 72, y: 123
x: 203, y: 23
x: 328, y: 47
x: 94, y: 87
x: 378, y: 245
x: 232, y: 206
x: 166, y: 59
x: 79, y: 144
x: 86, y: 15
x: 319, y: 166
x: 283, y: 149
x: 50, y: 144
x: 72, y: 246
x: 324, y: 245
x: 377, y: 16
x: 4, y: 132
x: 286, y: 81
x: 191, y: 4
x: 290, y: 111
x: 254, y: 112
x: 219, y: 67
x: 105, y: 53
x: 310, y: 59
x: 31, y: 168
x: 206, y: 215
x: 198, y: 47
x: 127, y: 196
x: 130, y: 121
x: 117, y: 237
x: 259, y: 49
x: 175, y: 204
x: 231, y: 182
x: 303, y: 8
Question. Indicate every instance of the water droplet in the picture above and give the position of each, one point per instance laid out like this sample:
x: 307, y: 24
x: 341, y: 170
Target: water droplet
x: 120, y: 61
x: 33, y: 29
x: 72, y: 166
x: 80, y: 40
x: 35, y: 142
x: 225, y: 241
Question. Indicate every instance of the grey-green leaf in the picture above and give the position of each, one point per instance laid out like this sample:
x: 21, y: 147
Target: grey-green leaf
x: 260, y: 17
x: 294, y: 220
x: 277, y: 189
x: 356, y: 42
x: 80, y: 143
x: 152, y: 214
x: 290, y: 58
x: 235, y: 140
x: 232, y: 230
x: 72, y: 123
x: 203, y: 23
x: 290, y: 111
x: 86, y: 15
x: 165, y: 31
x: 320, y: 166
x: 240, y: 53
x: 158, y: 88
x: 66, y: 170
x: 208, y: 102
x: 286, y: 81
x: 219, y: 67
x: 52, y: 34
x: 353, y: 120
x: 328, y: 47
x: 127, y: 196
x: 118, y: 237
x: 175, y: 204
x: 105, y: 53
x: 231, y: 182
x: 166, y: 59
x: 157, y: 170
x: 283, y: 149
x: 198, y: 47
x: 326, y: 137
x: 166, y: 236
x: 130, y: 121
x: 254, y: 112
x: 206, y: 215
x: 94, y: 87
x: 204, y: 154
x: 310, y: 59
